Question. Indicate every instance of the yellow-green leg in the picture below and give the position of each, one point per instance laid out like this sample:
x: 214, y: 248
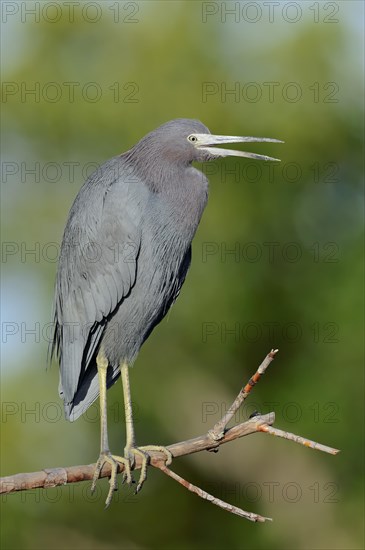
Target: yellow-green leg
x: 105, y: 454
x: 130, y: 450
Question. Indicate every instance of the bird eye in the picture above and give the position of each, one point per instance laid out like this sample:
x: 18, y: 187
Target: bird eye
x: 192, y: 138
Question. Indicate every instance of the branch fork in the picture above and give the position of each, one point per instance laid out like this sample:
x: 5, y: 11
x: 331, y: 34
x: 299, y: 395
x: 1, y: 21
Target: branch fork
x: 211, y: 441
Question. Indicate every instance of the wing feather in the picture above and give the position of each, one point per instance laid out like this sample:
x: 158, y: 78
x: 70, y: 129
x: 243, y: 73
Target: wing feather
x: 95, y: 274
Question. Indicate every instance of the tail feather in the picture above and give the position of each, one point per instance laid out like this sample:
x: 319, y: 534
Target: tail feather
x: 88, y: 392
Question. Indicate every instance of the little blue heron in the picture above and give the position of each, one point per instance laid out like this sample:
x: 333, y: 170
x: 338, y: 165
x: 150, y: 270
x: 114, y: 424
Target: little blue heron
x: 125, y: 254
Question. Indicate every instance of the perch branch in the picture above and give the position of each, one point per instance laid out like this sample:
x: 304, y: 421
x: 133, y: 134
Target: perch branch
x: 54, y: 477
x: 210, y: 442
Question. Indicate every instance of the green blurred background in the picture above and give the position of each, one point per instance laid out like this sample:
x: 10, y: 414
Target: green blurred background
x: 103, y: 74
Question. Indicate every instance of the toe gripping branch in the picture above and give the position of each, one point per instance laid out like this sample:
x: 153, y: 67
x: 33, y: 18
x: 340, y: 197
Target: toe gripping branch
x: 110, y: 465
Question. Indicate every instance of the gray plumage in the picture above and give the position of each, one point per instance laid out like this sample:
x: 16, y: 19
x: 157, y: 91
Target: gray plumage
x: 125, y: 253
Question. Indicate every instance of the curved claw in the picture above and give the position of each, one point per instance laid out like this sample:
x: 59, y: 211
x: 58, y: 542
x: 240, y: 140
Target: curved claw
x: 114, y: 462
x: 145, y: 460
x: 144, y: 453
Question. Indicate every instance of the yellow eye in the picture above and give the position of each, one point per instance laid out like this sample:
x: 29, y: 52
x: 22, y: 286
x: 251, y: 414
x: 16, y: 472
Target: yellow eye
x: 192, y: 138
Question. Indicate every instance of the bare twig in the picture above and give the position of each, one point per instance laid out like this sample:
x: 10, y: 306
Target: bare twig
x: 297, y: 439
x: 210, y: 441
x: 218, y: 431
x: 214, y: 500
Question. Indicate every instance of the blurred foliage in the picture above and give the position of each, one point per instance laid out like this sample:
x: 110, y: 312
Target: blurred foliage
x: 302, y: 293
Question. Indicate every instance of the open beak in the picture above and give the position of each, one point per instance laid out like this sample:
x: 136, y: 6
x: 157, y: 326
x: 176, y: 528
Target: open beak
x: 206, y: 142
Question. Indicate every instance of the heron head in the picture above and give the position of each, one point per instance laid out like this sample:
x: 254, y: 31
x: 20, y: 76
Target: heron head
x: 177, y: 143
x: 186, y: 140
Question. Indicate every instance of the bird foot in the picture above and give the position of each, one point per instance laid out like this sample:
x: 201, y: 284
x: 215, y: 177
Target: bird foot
x: 128, y: 462
x: 114, y: 461
x: 144, y: 454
